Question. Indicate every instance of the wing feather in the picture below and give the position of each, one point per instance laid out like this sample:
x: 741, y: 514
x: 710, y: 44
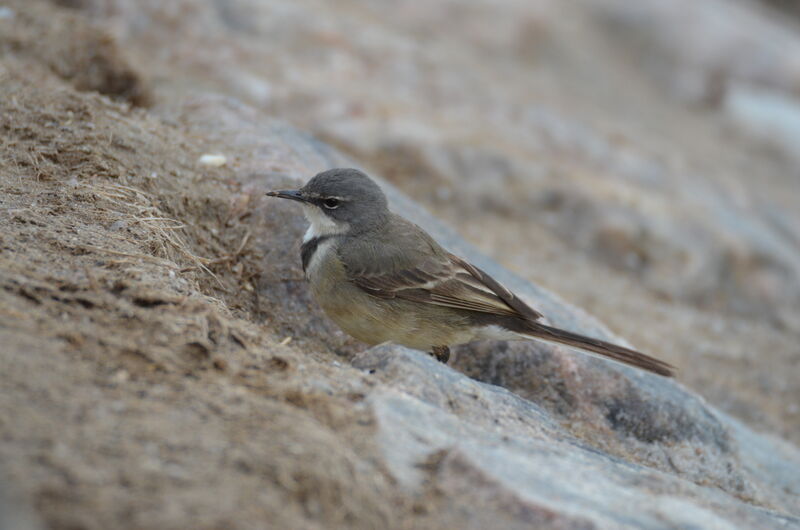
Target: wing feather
x: 447, y: 281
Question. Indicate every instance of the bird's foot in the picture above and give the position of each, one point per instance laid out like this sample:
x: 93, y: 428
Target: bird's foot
x: 442, y: 353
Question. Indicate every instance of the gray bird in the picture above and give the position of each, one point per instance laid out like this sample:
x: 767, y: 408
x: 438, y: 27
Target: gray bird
x: 382, y: 278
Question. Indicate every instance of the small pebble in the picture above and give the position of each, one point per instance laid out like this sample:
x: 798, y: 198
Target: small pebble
x: 120, y: 376
x: 213, y: 160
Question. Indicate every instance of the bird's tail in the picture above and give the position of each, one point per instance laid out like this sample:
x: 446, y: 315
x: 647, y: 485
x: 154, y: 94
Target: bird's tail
x: 606, y: 349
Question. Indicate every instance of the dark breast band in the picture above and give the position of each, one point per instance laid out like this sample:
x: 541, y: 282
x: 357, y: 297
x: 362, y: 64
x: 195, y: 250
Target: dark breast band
x: 308, y: 249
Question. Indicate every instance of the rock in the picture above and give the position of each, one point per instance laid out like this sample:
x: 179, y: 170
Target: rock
x: 697, y: 49
x: 767, y: 115
x: 502, y: 458
x: 15, y: 513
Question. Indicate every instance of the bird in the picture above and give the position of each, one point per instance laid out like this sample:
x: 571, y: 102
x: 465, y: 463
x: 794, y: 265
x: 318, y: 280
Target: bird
x: 382, y: 278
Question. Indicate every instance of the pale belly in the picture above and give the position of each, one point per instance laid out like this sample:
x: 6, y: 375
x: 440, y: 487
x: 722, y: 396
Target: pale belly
x: 375, y: 320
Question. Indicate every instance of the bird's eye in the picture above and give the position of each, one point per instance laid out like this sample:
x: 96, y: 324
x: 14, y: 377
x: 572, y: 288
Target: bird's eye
x: 331, y: 203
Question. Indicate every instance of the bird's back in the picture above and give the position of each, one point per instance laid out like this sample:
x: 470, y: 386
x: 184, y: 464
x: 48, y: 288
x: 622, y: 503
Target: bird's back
x: 397, y: 245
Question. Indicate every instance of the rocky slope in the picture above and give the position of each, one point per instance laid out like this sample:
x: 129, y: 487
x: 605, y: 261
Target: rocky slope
x: 164, y: 366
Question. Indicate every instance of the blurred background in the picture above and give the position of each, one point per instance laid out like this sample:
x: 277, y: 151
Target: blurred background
x: 641, y: 159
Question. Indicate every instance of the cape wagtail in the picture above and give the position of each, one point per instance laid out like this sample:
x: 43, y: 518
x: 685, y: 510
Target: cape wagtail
x: 382, y: 278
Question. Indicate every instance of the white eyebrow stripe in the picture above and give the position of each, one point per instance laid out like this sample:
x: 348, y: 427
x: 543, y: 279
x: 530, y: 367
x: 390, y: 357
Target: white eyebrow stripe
x: 314, y: 195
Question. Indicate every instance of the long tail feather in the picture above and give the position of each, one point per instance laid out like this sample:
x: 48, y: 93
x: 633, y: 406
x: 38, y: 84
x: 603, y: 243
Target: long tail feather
x: 606, y: 349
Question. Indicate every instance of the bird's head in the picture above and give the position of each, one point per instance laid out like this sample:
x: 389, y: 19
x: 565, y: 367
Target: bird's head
x: 339, y: 201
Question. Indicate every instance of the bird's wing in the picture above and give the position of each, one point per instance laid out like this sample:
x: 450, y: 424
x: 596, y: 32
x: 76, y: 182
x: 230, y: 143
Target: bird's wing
x: 446, y: 280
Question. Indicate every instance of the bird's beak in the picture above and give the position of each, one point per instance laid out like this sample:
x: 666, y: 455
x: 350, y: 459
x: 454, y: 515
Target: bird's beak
x: 287, y: 194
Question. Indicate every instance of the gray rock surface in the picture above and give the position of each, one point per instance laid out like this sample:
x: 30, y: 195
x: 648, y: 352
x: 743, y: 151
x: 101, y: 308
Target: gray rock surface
x: 440, y: 430
x: 698, y: 49
x: 15, y: 512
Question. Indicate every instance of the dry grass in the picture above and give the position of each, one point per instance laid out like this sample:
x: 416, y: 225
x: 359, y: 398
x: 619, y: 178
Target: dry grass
x: 117, y: 291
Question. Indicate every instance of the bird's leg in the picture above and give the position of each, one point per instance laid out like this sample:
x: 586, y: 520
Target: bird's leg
x: 442, y: 353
